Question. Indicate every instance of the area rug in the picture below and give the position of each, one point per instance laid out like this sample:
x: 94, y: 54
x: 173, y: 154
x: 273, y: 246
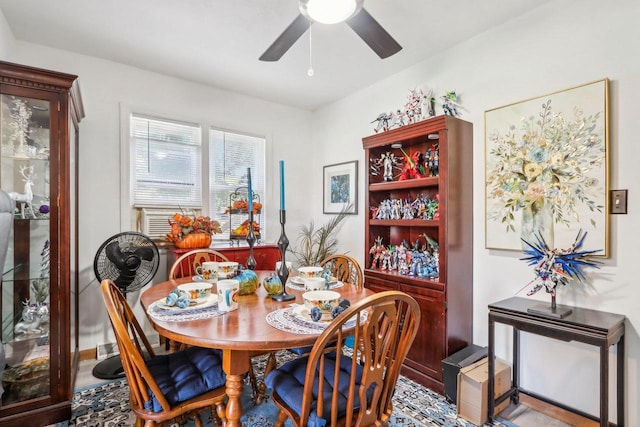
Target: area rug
x: 107, y: 405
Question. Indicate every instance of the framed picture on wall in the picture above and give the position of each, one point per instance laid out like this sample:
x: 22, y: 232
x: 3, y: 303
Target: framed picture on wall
x: 340, y: 188
x: 546, y: 166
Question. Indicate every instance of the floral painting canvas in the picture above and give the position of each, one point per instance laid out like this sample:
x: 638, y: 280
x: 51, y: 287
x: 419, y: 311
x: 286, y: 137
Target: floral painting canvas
x: 547, y: 169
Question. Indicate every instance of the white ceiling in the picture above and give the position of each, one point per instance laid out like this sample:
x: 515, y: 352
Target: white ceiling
x: 218, y: 42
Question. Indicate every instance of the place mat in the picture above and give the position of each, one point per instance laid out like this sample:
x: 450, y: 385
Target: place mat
x: 289, y: 320
x: 160, y: 313
x: 300, y: 286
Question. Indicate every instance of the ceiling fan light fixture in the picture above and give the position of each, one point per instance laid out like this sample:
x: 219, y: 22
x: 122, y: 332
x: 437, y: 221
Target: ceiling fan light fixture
x: 329, y: 11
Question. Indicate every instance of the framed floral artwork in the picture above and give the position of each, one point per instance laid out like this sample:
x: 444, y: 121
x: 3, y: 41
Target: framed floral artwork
x: 340, y: 188
x: 546, y: 169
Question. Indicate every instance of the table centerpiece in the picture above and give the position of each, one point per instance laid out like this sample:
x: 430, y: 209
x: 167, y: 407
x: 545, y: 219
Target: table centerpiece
x: 192, y: 232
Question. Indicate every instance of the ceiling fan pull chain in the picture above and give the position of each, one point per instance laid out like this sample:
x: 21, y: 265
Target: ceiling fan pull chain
x: 310, y: 71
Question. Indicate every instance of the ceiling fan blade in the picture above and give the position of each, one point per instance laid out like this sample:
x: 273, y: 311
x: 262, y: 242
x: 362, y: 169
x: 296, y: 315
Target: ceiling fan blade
x: 373, y: 34
x: 287, y: 39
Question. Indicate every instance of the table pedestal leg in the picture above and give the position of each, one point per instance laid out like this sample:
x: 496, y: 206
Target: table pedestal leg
x: 234, y: 407
x: 235, y: 365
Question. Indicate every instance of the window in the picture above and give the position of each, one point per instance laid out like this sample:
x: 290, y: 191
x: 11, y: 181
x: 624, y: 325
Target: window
x: 230, y: 154
x: 166, y: 161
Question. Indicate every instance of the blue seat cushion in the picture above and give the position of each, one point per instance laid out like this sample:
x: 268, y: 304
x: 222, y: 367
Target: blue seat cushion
x: 301, y: 350
x: 185, y: 374
x: 288, y: 382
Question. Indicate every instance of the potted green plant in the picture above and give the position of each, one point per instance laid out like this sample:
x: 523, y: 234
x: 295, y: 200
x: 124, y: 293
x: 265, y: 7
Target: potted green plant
x: 313, y: 245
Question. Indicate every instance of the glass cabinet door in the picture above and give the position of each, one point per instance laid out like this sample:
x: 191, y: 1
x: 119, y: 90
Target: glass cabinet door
x: 25, y: 124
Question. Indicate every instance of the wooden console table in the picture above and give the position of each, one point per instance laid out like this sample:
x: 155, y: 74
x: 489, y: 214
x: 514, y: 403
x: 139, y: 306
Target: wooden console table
x: 593, y: 327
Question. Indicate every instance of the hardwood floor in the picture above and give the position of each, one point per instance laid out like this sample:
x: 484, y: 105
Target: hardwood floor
x: 533, y: 412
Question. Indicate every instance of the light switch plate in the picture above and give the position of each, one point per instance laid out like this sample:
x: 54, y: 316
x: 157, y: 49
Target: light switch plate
x: 618, y: 201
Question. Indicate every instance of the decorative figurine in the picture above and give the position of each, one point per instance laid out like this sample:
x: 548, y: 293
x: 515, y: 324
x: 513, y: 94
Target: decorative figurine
x: 375, y: 252
x: 35, y: 317
x: 21, y: 115
x: 413, y: 167
x: 413, y: 106
x: 387, y: 162
x: 45, y: 260
x: 419, y: 261
x: 432, y: 160
x: 25, y: 198
x: 450, y: 104
x: 383, y: 120
x: 428, y: 107
x: 431, y: 212
x: 397, y: 119
x: 557, y: 266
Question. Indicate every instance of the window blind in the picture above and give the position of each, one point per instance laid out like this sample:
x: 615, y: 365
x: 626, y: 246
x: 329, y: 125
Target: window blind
x: 167, y: 166
x: 230, y: 154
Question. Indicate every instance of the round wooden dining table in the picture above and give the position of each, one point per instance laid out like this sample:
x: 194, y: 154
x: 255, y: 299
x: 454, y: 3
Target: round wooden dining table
x: 239, y: 333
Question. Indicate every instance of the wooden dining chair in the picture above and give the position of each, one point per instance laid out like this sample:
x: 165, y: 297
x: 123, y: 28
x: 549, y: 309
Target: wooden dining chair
x: 335, y: 385
x: 165, y: 387
x: 345, y: 268
x: 186, y: 264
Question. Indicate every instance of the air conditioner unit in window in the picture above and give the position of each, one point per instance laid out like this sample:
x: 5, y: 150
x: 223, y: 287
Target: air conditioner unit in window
x: 154, y: 222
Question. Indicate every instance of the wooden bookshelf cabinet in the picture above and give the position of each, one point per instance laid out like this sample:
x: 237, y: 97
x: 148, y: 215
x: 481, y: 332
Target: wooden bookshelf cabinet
x: 446, y: 301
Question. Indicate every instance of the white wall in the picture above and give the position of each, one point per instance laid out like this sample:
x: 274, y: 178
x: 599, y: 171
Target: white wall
x: 560, y: 45
x: 6, y: 37
x: 104, y: 86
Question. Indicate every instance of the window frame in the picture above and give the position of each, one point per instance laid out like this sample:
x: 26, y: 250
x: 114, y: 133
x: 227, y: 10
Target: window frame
x: 129, y: 215
x: 197, y: 150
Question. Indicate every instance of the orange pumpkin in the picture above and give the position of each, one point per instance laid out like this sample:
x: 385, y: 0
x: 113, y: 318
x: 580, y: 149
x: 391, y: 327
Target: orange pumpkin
x: 194, y: 241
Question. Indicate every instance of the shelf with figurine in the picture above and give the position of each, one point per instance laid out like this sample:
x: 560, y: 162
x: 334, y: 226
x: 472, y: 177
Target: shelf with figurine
x: 395, y: 165
x: 27, y: 124
x: 419, y: 259
x: 404, y: 223
x: 408, y: 211
x: 419, y: 106
x: 238, y: 211
x: 29, y: 202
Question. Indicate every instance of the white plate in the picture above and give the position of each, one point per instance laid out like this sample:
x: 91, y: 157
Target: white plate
x: 212, y: 300
x: 300, y: 281
x: 302, y: 313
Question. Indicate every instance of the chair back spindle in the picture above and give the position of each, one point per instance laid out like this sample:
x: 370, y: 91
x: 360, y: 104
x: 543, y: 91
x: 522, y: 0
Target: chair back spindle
x: 187, y: 263
x: 345, y: 268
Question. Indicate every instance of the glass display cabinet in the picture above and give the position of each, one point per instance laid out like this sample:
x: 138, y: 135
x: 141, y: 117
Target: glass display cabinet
x: 39, y: 115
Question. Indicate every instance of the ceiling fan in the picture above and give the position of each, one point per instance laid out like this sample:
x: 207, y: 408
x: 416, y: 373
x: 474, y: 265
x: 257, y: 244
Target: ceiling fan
x: 350, y: 11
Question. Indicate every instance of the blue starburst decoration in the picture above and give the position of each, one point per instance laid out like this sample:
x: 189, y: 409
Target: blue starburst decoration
x: 558, y: 266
